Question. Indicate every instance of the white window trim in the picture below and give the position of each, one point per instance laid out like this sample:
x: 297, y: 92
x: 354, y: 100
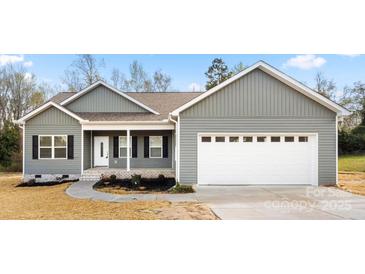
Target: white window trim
x: 160, y: 147
x: 52, y: 147
x: 126, y: 146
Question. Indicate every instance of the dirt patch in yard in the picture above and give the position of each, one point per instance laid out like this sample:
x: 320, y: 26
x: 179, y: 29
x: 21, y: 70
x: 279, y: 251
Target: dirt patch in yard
x: 353, y: 182
x: 52, y: 203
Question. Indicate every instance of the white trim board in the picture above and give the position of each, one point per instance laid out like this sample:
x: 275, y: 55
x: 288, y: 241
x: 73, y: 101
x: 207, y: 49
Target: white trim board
x: 279, y: 76
x: 45, y: 107
x: 98, y: 83
x: 96, y: 127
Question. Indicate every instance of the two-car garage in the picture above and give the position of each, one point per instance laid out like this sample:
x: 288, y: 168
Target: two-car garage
x: 264, y: 158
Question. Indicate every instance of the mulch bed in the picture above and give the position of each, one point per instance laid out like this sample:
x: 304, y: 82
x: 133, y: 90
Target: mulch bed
x: 146, y: 184
x: 50, y: 183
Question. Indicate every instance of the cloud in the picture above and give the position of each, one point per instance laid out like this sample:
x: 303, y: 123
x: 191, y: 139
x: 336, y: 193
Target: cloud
x: 28, y: 64
x: 194, y: 87
x: 7, y: 59
x: 28, y: 76
x: 307, y: 61
x: 10, y: 59
x: 350, y: 55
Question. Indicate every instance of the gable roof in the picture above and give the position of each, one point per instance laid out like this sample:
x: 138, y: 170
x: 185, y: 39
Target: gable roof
x: 279, y: 76
x: 98, y: 83
x: 45, y: 107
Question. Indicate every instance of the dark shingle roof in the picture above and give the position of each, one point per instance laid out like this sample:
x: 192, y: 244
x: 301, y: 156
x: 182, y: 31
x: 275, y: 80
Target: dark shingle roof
x: 61, y: 96
x: 162, y: 102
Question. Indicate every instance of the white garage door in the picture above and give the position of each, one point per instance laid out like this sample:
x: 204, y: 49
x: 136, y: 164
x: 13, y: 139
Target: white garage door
x: 239, y: 159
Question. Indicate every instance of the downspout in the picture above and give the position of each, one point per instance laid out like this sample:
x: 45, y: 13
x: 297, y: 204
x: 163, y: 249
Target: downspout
x: 177, y: 146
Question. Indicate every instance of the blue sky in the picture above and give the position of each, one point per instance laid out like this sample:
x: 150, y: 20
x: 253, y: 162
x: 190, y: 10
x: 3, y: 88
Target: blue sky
x: 188, y: 69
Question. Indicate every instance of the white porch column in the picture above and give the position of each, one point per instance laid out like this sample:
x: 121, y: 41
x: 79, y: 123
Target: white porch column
x: 128, y: 151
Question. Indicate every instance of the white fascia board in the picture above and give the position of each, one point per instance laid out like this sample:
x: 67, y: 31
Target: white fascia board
x: 82, y: 92
x: 96, y: 127
x: 45, y: 107
x: 162, y: 122
x: 276, y: 74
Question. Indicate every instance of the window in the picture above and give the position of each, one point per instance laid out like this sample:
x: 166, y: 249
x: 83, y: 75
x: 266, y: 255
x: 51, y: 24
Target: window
x: 206, y: 139
x: 234, y: 139
x: 123, y: 146
x: 289, y: 139
x: 275, y: 139
x: 303, y: 139
x: 220, y: 139
x: 155, y: 146
x: 53, y: 147
x: 261, y: 139
x: 247, y: 139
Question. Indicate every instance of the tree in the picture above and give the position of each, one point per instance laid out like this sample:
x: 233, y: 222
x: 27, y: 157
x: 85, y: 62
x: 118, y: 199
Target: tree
x: 161, y: 81
x: 324, y: 86
x: 217, y: 73
x: 353, y: 98
x: 238, y: 68
x: 9, y: 142
x: 119, y: 80
x: 139, y: 80
x: 138, y: 77
x: 84, y: 71
x: 21, y: 86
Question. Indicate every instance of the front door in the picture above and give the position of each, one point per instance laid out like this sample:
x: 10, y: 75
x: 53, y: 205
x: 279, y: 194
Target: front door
x: 101, y: 151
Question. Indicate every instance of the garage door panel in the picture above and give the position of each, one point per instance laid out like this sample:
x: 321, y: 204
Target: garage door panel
x: 257, y: 163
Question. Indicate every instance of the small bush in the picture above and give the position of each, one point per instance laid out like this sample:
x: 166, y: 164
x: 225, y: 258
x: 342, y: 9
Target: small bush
x: 113, y: 178
x: 136, y: 180
x: 161, y: 178
x: 182, y: 189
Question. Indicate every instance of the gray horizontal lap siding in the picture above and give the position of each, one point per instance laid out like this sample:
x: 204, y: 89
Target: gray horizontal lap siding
x: 52, y: 122
x: 140, y: 161
x: 102, y: 99
x: 87, y: 149
x: 258, y: 103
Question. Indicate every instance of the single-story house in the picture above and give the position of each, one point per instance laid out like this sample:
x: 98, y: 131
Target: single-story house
x: 258, y: 127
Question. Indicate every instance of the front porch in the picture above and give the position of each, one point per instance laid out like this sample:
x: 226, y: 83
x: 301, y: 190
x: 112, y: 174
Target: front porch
x: 97, y: 172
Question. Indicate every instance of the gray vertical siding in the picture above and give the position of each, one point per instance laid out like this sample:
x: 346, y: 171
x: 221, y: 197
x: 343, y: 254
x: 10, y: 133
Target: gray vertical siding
x: 52, y: 122
x: 102, y: 99
x: 258, y: 103
x: 257, y: 94
x: 140, y: 161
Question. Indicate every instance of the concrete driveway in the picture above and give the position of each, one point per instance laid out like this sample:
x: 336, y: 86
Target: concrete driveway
x: 281, y: 202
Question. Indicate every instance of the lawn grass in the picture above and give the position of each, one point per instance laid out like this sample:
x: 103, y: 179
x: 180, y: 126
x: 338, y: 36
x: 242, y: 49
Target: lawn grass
x: 52, y: 203
x: 352, y: 163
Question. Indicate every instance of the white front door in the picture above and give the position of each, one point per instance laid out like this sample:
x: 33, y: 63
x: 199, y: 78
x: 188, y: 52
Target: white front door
x: 101, y: 151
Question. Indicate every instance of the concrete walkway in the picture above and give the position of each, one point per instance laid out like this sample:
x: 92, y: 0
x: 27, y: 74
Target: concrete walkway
x: 84, y: 190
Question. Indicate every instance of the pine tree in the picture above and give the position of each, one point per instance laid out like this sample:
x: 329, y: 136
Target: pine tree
x: 217, y: 73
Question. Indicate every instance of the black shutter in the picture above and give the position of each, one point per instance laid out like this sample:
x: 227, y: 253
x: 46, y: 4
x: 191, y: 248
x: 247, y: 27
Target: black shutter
x: 146, y: 146
x: 165, y: 146
x: 34, y: 147
x: 115, y: 147
x: 134, y: 147
x: 70, y: 146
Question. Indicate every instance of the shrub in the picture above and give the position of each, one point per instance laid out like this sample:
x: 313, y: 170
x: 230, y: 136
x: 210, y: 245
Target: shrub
x: 113, y: 178
x: 136, y: 180
x: 182, y: 189
x: 161, y: 178
x: 350, y: 142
